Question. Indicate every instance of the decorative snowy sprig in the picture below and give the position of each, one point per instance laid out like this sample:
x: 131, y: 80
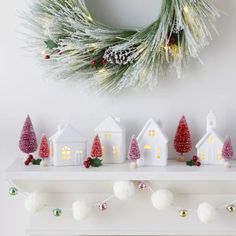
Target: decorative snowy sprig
x: 77, y: 45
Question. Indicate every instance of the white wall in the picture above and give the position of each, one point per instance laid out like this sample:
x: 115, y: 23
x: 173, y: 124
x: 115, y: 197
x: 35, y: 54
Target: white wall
x: 23, y: 90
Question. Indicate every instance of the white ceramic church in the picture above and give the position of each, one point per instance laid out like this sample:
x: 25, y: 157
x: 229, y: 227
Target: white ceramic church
x: 209, y: 148
x: 153, y: 144
x: 67, y: 147
x: 112, y: 137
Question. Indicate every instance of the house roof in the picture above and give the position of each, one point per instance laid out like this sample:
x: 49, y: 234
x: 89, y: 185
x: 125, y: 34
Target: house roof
x: 152, y: 122
x: 109, y: 124
x: 205, y: 137
x: 67, y: 134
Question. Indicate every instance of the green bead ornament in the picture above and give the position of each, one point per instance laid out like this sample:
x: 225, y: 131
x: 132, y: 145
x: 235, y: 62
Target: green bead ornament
x: 57, y: 212
x: 13, y: 191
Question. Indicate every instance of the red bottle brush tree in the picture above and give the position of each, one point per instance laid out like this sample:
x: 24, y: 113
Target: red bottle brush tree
x: 134, y: 151
x: 96, y: 153
x: 44, y: 148
x: 28, y: 141
x: 96, y: 150
x: 182, y: 141
x: 227, y: 151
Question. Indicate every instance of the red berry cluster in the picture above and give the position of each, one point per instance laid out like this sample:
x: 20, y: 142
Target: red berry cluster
x: 171, y: 41
x: 194, y: 161
x: 94, y: 62
x: 47, y: 57
x: 29, y: 160
x: 57, y: 51
x: 87, y: 162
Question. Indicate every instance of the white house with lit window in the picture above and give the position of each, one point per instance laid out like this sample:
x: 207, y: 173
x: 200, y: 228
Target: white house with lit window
x: 153, y: 144
x: 209, y: 148
x: 67, y: 147
x: 112, y: 137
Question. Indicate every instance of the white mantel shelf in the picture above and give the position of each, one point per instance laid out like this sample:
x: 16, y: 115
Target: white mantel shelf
x: 173, y: 171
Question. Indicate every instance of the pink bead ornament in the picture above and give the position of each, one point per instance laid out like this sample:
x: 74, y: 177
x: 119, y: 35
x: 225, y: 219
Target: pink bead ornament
x: 141, y: 185
x: 102, y: 206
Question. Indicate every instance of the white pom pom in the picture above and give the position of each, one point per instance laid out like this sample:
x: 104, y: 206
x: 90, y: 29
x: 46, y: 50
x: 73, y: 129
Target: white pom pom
x: 124, y: 189
x: 34, y: 202
x: 80, y: 210
x: 161, y: 199
x: 206, y: 212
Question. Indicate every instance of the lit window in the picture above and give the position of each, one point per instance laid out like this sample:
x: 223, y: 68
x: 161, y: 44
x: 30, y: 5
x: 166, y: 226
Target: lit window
x: 79, y: 152
x: 51, y: 150
x: 115, y: 151
x: 108, y: 136
x: 218, y: 156
x: 65, y: 153
x: 147, y: 146
x: 158, y: 156
x: 211, y: 140
x: 103, y: 152
x: 202, y: 156
x: 151, y: 133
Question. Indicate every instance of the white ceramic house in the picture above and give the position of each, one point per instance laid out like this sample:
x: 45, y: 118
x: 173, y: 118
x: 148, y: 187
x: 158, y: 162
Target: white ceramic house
x: 67, y: 147
x: 209, y: 148
x: 112, y: 137
x: 153, y: 144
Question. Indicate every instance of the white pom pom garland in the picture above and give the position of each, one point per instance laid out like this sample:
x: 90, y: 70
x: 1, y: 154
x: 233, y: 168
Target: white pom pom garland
x: 34, y: 202
x: 206, y: 212
x: 124, y: 189
x: 161, y: 199
x: 80, y: 210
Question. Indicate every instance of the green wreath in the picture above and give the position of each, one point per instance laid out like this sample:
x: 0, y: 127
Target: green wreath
x: 79, y: 48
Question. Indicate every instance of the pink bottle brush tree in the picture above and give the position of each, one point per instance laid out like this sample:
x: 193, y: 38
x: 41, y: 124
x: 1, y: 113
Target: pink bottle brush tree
x: 227, y: 151
x: 28, y: 141
x: 134, y: 151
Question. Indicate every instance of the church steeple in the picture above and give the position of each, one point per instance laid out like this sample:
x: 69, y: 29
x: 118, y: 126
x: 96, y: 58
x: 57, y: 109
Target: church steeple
x: 211, y: 121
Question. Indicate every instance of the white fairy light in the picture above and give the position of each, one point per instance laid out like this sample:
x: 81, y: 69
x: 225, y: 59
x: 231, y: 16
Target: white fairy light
x: 186, y: 9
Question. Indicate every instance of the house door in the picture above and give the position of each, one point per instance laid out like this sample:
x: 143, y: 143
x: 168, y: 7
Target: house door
x: 148, y: 155
x: 79, y: 157
x: 211, y: 156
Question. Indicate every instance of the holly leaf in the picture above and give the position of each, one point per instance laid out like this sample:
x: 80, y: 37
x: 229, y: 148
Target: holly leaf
x: 190, y: 163
x: 51, y: 44
x: 36, y: 161
x: 96, y: 162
